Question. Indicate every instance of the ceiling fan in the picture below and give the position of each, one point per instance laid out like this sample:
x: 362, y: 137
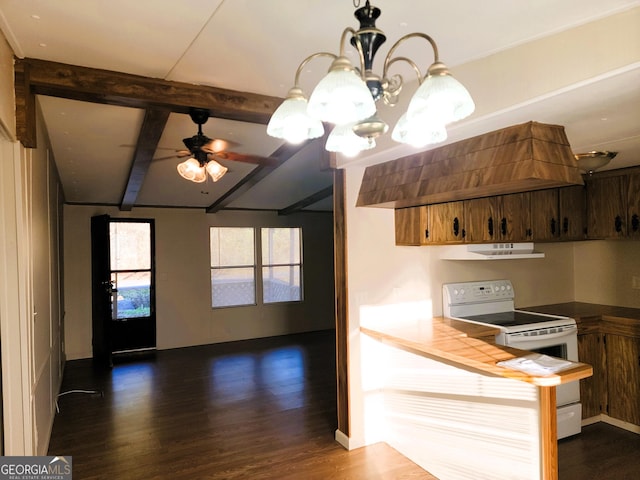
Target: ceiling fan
x: 204, y: 153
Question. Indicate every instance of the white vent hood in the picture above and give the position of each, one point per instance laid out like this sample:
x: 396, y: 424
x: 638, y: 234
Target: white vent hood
x: 490, y: 251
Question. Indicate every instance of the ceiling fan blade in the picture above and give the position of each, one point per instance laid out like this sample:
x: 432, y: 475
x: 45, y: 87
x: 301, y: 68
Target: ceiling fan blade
x: 180, y: 154
x: 216, y: 145
x: 245, y: 158
x: 164, y: 158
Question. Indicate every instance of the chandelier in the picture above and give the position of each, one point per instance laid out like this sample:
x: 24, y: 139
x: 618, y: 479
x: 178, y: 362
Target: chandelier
x: 346, y: 97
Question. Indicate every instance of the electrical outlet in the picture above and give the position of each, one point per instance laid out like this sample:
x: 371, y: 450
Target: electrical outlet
x: 635, y: 282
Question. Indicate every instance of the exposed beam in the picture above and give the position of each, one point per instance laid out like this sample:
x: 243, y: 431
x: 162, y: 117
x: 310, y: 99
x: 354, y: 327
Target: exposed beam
x: 282, y: 154
x: 152, y: 127
x: 25, y: 107
x: 41, y: 77
x: 305, y: 202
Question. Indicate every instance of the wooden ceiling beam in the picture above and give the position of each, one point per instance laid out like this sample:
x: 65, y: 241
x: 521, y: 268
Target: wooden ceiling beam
x: 153, y: 125
x: 305, y: 202
x: 41, y: 77
x: 281, y: 155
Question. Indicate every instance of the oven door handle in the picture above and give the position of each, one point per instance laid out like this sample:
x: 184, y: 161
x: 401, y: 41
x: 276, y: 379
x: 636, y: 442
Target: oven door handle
x: 528, y: 338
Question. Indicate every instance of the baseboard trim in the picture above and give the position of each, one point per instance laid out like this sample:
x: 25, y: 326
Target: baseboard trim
x: 630, y: 427
x: 342, y: 439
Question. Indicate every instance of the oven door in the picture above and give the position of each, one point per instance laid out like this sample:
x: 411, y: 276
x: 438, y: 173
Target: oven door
x: 560, y: 345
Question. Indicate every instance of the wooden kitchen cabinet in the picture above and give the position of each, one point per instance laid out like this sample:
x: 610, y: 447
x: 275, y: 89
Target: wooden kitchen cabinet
x: 545, y: 224
x: 572, y: 212
x: 593, y: 390
x: 623, y: 377
x: 503, y: 218
x: 606, y: 207
x: 633, y: 205
x: 446, y: 223
x: 558, y: 214
x: 411, y: 225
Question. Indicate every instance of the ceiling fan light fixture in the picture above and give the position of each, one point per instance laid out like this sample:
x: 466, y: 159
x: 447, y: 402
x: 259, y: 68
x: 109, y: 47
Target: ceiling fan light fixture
x: 215, y: 170
x: 191, y: 169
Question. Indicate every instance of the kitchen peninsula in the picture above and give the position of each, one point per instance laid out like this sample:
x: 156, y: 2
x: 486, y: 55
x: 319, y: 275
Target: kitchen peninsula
x: 435, y: 394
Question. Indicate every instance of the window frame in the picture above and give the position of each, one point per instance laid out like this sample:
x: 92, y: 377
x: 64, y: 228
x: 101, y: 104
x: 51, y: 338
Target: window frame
x: 299, y: 265
x: 258, y: 266
x: 254, y: 267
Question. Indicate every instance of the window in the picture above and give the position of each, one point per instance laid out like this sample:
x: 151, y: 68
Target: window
x: 281, y: 265
x: 233, y: 268
x: 236, y: 256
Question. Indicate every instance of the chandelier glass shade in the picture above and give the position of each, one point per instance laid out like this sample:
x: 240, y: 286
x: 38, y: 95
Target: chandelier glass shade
x: 344, y: 140
x: 346, y: 97
x: 291, y: 121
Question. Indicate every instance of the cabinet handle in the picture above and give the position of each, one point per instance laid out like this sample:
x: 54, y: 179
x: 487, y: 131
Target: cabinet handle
x: 503, y: 226
x: 490, y: 226
x: 529, y: 232
x: 565, y: 225
x: 464, y: 233
x: 635, y: 222
x: 618, y: 223
x: 426, y: 233
x: 553, y: 227
x: 456, y: 226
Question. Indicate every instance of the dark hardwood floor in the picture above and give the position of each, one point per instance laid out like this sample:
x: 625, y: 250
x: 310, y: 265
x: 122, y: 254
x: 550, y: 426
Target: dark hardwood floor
x: 257, y: 409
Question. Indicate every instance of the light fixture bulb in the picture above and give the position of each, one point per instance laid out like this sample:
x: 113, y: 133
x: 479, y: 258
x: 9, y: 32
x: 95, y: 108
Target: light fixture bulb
x: 341, y: 96
x: 291, y: 121
x: 342, y: 139
x: 418, y: 131
x: 215, y: 170
x: 442, y: 97
x: 191, y: 169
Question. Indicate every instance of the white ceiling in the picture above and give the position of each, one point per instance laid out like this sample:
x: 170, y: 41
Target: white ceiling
x: 572, y: 62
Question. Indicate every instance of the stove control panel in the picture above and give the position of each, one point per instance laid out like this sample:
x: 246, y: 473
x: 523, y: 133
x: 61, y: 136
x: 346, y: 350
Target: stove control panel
x: 474, y: 292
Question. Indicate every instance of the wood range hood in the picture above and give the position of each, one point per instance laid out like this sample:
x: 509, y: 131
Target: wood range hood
x: 520, y: 158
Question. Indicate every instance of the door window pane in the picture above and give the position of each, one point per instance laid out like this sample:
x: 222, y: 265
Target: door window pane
x: 130, y: 245
x: 132, y: 298
x: 281, y: 265
x: 232, y: 266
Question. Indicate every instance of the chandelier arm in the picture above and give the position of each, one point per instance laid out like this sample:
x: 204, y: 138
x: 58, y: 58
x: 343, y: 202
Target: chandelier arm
x: 358, y: 45
x: 410, y: 62
x: 389, y: 60
x: 307, y: 60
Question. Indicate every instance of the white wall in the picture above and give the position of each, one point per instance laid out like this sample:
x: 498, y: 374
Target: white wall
x: 381, y: 273
x: 183, y: 293
x: 604, y: 272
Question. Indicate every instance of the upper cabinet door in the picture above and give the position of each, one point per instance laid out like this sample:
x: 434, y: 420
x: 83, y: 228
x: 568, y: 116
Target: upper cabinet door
x: 545, y: 226
x: 483, y: 217
x: 572, y: 212
x: 515, y: 222
x: 411, y: 226
x: 606, y: 207
x: 446, y: 223
x: 633, y: 206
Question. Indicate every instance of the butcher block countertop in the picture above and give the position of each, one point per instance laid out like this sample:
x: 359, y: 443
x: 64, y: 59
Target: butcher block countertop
x: 464, y: 345
x: 593, y: 317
